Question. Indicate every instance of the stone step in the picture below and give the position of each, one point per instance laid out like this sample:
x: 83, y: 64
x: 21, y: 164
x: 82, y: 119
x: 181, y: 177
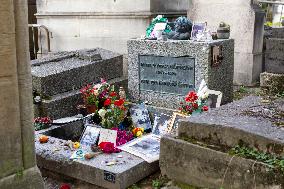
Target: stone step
x: 64, y: 104
x: 66, y: 71
x: 249, y: 121
x: 274, y: 83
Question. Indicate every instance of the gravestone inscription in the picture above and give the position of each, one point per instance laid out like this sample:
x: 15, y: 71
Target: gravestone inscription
x: 175, y: 75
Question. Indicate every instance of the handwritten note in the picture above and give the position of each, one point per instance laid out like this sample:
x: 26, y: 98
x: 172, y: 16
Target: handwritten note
x: 107, y: 135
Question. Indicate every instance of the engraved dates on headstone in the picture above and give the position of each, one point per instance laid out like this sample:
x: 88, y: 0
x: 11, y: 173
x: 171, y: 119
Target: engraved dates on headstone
x: 174, y: 75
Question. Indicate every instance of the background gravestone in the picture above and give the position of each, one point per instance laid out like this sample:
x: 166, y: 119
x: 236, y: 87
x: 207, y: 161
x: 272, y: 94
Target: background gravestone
x: 247, y: 21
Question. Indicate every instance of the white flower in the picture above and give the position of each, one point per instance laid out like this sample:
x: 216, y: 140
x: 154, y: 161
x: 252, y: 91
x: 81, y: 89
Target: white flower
x: 102, y: 113
x: 37, y: 99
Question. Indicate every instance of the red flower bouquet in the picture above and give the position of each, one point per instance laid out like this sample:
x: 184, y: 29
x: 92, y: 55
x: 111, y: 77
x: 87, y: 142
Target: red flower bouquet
x: 108, y: 148
x: 192, y: 104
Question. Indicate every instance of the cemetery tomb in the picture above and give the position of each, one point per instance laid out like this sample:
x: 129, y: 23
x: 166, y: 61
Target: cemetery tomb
x: 239, y: 145
x: 55, y: 157
x: 163, y: 72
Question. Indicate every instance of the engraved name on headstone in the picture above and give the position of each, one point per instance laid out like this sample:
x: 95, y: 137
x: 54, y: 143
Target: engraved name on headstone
x: 174, y: 75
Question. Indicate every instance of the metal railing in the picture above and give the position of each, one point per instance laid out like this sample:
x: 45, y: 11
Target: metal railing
x: 37, y: 38
x: 271, y: 2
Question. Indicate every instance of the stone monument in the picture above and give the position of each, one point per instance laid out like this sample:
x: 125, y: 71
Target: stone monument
x: 163, y: 72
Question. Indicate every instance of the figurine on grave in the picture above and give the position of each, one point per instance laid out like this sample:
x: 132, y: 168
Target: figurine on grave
x: 122, y: 93
x: 223, y: 32
x: 182, y: 29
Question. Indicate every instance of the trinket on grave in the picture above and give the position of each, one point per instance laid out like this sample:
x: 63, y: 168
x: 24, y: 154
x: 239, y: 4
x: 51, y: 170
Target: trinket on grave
x: 95, y: 148
x: 43, y: 139
x: 76, y: 145
x: 122, y: 93
x: 223, y: 32
x: 89, y: 156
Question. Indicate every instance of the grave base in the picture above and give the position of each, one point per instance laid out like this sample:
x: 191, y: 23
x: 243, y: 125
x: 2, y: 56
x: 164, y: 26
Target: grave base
x: 53, y: 157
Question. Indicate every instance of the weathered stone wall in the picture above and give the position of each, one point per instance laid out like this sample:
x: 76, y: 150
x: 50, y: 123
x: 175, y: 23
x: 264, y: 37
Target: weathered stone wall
x: 79, y: 24
x: 17, y: 159
x: 246, y: 21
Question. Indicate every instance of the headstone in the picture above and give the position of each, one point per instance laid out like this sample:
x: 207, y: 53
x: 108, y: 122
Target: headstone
x: 163, y: 72
x: 274, y: 55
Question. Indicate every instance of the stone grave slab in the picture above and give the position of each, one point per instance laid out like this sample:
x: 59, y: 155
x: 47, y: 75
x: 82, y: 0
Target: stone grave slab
x: 66, y: 71
x: 163, y: 72
x: 64, y: 104
x: 53, y: 157
x: 199, y: 154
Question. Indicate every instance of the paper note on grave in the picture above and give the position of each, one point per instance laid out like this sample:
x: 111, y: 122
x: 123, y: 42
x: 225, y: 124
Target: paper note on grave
x: 90, y: 136
x: 107, y: 135
x: 146, y: 147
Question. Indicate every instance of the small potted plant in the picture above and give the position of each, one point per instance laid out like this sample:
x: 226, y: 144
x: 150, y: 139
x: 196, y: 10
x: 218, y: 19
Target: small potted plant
x: 42, y: 123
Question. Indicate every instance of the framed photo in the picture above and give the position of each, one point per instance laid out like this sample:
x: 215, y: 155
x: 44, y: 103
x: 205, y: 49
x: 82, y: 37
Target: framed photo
x: 90, y: 136
x: 161, y: 124
x: 140, y: 117
x: 146, y: 147
x: 215, y: 98
x: 198, y: 28
x: 176, y: 117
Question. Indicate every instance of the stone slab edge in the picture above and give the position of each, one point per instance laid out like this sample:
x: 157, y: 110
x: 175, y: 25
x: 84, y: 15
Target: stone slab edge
x: 202, y: 167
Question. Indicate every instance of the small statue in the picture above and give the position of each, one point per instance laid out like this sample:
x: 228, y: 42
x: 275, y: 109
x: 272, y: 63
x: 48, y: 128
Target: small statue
x: 122, y: 93
x: 223, y: 32
x: 182, y: 31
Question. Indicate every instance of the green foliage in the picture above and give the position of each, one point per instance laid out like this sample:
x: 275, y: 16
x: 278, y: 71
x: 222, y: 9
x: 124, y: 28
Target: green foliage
x: 243, y: 89
x: 20, y: 172
x: 278, y: 24
x: 274, y: 162
x: 134, y: 186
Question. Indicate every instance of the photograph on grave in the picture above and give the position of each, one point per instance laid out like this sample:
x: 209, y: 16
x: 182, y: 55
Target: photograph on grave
x: 140, y: 117
x: 146, y: 147
x: 90, y: 136
x: 197, y: 30
x: 175, y: 118
x: 162, y: 74
x: 214, y: 98
x: 161, y: 124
